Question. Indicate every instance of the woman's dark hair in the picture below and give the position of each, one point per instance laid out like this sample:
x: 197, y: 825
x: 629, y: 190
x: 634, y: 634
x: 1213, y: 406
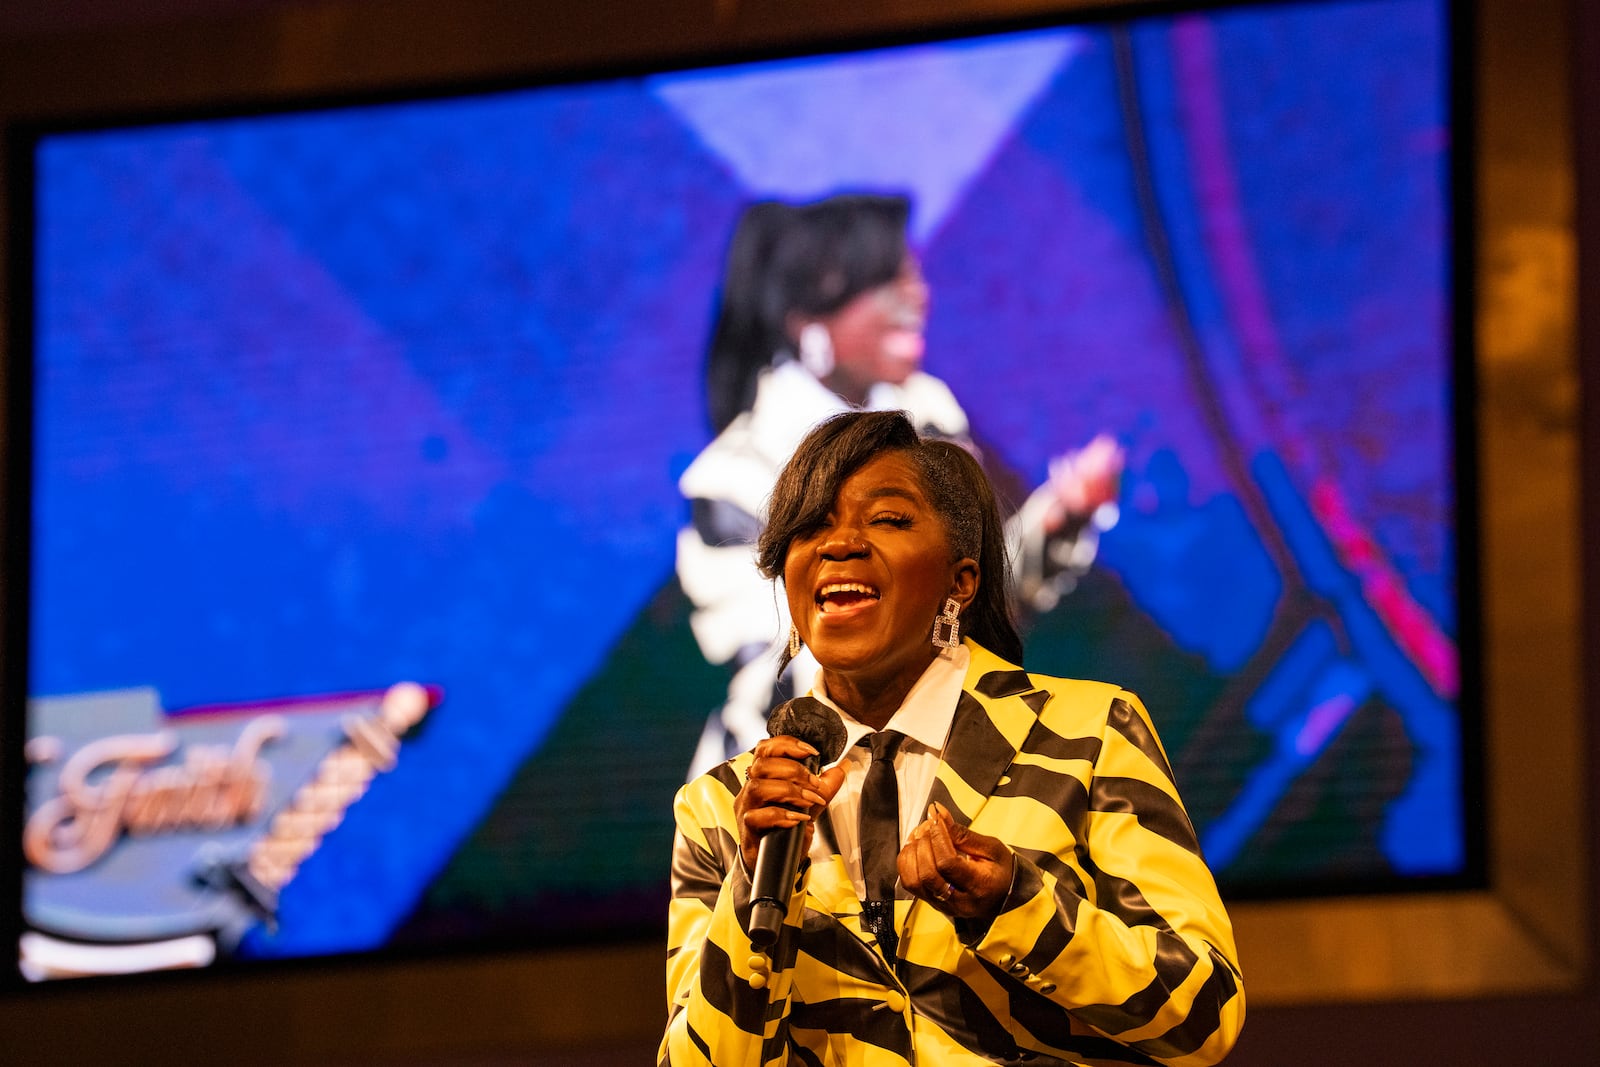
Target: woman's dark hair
x: 784, y: 259
x: 956, y: 487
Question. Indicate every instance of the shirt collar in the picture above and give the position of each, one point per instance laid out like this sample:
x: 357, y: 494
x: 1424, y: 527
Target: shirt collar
x: 928, y: 709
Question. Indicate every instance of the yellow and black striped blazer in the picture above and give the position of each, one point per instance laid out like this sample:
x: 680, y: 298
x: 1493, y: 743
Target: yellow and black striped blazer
x: 1112, y: 947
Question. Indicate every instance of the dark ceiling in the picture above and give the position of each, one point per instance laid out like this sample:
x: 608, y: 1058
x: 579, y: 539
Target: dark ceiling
x: 27, y: 18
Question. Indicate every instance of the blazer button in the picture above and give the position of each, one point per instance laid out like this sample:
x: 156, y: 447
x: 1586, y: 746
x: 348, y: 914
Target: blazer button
x: 1007, y: 960
x: 896, y: 1002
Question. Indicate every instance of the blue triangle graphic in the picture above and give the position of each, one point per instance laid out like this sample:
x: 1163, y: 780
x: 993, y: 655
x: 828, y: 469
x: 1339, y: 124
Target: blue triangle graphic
x: 923, y: 120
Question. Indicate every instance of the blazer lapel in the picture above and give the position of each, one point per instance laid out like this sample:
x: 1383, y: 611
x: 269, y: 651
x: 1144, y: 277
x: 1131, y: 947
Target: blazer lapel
x: 998, y: 708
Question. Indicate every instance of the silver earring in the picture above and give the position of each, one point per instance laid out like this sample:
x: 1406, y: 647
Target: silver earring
x: 794, y: 641
x: 816, y: 350
x: 950, y: 622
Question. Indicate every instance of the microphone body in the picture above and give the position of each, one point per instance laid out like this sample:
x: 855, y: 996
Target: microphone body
x: 781, y: 851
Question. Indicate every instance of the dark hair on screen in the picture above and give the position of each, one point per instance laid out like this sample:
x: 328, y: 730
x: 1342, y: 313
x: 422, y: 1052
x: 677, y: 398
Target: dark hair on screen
x: 784, y: 259
x: 957, y: 489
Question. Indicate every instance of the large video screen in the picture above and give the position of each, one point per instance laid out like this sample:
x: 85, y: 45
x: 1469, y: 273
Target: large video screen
x: 362, y: 611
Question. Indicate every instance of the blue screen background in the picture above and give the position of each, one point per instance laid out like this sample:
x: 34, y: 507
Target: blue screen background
x: 327, y: 400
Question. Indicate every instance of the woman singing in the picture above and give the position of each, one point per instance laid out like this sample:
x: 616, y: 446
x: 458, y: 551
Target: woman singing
x: 822, y: 310
x: 998, y: 869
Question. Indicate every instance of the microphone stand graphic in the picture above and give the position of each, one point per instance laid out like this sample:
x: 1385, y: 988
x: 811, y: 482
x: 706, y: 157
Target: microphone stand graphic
x: 370, y: 747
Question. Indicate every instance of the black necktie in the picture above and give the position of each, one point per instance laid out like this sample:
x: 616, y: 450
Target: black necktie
x: 880, y: 839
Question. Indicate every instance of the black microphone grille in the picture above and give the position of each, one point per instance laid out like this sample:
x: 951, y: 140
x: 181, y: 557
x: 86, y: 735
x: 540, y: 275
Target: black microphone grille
x: 813, y: 722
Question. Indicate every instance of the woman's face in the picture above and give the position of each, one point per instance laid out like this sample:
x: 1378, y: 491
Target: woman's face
x: 865, y: 588
x: 877, y: 336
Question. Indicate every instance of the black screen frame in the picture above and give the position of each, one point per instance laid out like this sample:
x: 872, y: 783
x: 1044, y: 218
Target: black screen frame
x: 23, y: 138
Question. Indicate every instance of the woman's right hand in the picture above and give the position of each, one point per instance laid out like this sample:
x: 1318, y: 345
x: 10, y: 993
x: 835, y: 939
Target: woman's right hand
x: 779, y: 791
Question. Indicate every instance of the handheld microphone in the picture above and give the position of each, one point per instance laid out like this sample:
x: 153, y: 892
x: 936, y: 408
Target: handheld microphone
x: 778, y: 856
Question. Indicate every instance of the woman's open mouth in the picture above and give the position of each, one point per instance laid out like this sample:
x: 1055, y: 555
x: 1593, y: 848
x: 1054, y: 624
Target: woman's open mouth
x: 837, y: 597
x: 905, y: 345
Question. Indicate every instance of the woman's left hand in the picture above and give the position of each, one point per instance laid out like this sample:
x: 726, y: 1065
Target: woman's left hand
x: 963, y: 874
x: 1083, y: 480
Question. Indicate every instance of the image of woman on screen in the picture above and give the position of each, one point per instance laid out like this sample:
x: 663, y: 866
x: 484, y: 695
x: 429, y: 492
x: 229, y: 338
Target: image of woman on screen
x: 991, y: 865
x: 822, y: 310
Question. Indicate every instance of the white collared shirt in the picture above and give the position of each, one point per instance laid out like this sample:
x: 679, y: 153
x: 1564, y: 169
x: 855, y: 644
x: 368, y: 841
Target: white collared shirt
x: 924, y: 717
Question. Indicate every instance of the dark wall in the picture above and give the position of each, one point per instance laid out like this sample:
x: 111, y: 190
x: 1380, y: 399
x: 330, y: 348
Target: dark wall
x: 1539, y: 112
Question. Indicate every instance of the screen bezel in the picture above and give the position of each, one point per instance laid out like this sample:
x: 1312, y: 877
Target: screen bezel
x: 1273, y: 915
